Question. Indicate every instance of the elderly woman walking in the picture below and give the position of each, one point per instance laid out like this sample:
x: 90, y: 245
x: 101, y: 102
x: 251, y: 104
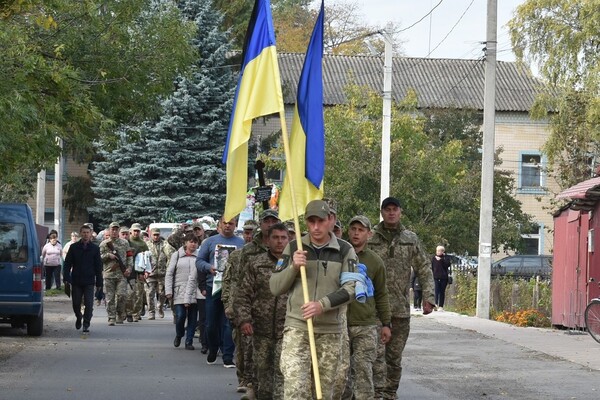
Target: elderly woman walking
x: 181, y: 284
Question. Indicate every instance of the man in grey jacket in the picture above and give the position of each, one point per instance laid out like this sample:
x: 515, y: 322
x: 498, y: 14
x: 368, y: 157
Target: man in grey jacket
x: 326, y: 259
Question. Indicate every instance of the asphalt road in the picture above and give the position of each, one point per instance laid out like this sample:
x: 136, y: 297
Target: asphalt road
x: 138, y: 361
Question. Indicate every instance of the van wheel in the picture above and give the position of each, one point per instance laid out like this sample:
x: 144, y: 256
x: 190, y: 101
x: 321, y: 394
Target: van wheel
x: 35, y: 325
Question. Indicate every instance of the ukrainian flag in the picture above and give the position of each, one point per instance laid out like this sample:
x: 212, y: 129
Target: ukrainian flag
x: 258, y: 93
x: 307, y: 140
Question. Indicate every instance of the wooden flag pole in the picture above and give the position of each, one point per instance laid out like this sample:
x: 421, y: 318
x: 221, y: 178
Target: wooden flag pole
x: 309, y: 322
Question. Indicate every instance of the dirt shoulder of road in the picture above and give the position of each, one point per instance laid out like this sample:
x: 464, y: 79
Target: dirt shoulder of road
x: 57, y: 309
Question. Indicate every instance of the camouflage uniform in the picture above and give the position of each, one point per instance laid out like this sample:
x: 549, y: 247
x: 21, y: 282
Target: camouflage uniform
x: 156, y: 279
x: 400, y: 250
x: 115, y: 284
x: 135, y: 297
x: 234, y: 274
x: 243, y: 344
x: 363, y: 319
x: 255, y: 304
x: 323, y: 274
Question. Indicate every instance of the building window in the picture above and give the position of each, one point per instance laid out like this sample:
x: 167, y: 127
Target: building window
x: 275, y: 176
x: 49, y: 217
x: 531, y: 171
x: 532, y: 240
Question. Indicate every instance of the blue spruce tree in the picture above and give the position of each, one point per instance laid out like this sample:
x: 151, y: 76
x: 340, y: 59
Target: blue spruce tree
x: 174, y: 166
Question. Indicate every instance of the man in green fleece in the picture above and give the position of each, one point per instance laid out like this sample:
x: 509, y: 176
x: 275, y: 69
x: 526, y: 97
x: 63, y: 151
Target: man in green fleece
x: 325, y: 259
x: 364, y: 318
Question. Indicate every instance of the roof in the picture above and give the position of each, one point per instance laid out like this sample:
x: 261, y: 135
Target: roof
x: 584, y: 195
x: 439, y: 83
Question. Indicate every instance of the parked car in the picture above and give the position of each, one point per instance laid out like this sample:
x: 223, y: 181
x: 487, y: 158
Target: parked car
x: 463, y: 263
x: 21, y: 272
x: 524, y: 266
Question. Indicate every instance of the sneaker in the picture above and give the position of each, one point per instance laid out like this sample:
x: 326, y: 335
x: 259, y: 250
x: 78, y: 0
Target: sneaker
x: 98, y: 302
x: 228, y: 364
x: 78, y: 323
x: 177, y: 341
x: 111, y: 322
x: 440, y: 309
x: 136, y: 319
x: 204, y: 350
x: 151, y: 318
x: 119, y: 321
x: 129, y: 318
x: 161, y: 313
x: 86, y: 329
x: 211, y: 358
x: 189, y: 347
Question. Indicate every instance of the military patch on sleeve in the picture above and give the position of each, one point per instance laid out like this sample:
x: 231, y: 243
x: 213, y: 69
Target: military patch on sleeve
x: 352, y: 265
x: 282, y: 263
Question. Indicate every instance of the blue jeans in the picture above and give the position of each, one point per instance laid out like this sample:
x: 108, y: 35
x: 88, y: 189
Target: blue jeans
x: 218, y: 328
x: 183, y: 313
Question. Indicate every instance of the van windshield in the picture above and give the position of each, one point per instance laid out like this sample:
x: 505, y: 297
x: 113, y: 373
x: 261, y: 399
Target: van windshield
x: 13, y: 242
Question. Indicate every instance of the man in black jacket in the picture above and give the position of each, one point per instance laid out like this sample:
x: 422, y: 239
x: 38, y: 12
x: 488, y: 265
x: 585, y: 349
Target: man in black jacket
x: 83, y: 271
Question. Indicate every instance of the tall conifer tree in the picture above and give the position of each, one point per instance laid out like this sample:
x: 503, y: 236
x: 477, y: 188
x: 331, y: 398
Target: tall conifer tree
x: 174, y: 165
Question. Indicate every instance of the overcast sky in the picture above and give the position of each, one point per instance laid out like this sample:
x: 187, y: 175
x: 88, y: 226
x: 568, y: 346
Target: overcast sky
x: 463, y: 42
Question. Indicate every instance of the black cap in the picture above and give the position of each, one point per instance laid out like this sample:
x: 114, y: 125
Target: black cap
x: 390, y: 200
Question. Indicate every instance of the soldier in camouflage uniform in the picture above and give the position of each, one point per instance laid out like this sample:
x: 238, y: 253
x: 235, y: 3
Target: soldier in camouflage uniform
x: 327, y: 259
x: 363, y: 318
x: 135, y: 300
x: 339, y: 386
x: 243, y: 344
x: 156, y: 277
x: 115, y: 282
x: 400, y: 250
x: 260, y: 315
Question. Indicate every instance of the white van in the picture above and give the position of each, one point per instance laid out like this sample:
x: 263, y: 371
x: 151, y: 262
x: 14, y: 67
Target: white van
x: 166, y: 228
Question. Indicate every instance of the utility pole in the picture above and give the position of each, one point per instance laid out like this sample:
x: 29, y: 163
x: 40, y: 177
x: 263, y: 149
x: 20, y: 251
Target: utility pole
x: 40, y: 197
x: 487, y: 166
x: 58, y: 192
x: 387, y: 116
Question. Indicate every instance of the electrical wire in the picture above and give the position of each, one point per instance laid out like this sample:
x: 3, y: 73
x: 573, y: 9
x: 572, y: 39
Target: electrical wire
x: 424, y: 16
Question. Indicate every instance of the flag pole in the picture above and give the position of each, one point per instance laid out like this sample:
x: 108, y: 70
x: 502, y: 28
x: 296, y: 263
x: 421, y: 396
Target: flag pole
x: 309, y: 322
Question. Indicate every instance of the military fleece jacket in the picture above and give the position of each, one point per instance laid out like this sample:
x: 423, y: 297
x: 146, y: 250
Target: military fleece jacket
x: 376, y: 308
x: 323, y: 272
x: 401, y: 250
x: 254, y: 302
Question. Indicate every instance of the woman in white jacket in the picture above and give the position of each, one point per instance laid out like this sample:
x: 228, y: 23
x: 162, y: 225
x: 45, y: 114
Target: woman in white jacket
x: 181, y: 284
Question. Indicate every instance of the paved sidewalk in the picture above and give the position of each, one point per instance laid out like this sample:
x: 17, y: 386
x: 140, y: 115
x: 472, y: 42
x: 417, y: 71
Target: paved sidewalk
x: 576, y: 347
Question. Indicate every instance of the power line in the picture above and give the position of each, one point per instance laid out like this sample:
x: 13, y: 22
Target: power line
x: 424, y: 16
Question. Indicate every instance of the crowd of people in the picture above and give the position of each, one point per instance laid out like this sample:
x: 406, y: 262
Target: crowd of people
x: 243, y: 296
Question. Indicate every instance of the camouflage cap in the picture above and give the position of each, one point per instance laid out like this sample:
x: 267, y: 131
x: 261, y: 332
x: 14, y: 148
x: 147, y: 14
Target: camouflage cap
x: 154, y: 230
x: 197, y: 225
x: 250, y: 224
x: 269, y: 213
x: 332, y: 205
x: 338, y: 224
x: 317, y: 208
x: 114, y: 225
x: 124, y: 229
x: 290, y: 226
x: 361, y: 219
x: 136, y: 227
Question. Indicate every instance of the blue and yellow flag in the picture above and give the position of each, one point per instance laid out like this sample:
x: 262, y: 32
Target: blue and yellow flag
x: 258, y: 93
x: 307, y: 140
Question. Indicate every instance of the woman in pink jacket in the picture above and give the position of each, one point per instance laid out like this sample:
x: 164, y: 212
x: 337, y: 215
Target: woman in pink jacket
x: 52, y: 259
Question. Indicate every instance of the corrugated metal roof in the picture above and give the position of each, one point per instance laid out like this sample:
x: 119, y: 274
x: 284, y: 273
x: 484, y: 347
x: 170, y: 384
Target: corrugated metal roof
x: 584, y: 195
x: 439, y: 83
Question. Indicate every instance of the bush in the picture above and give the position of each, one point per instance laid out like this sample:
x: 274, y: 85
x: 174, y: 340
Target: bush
x: 523, y: 302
